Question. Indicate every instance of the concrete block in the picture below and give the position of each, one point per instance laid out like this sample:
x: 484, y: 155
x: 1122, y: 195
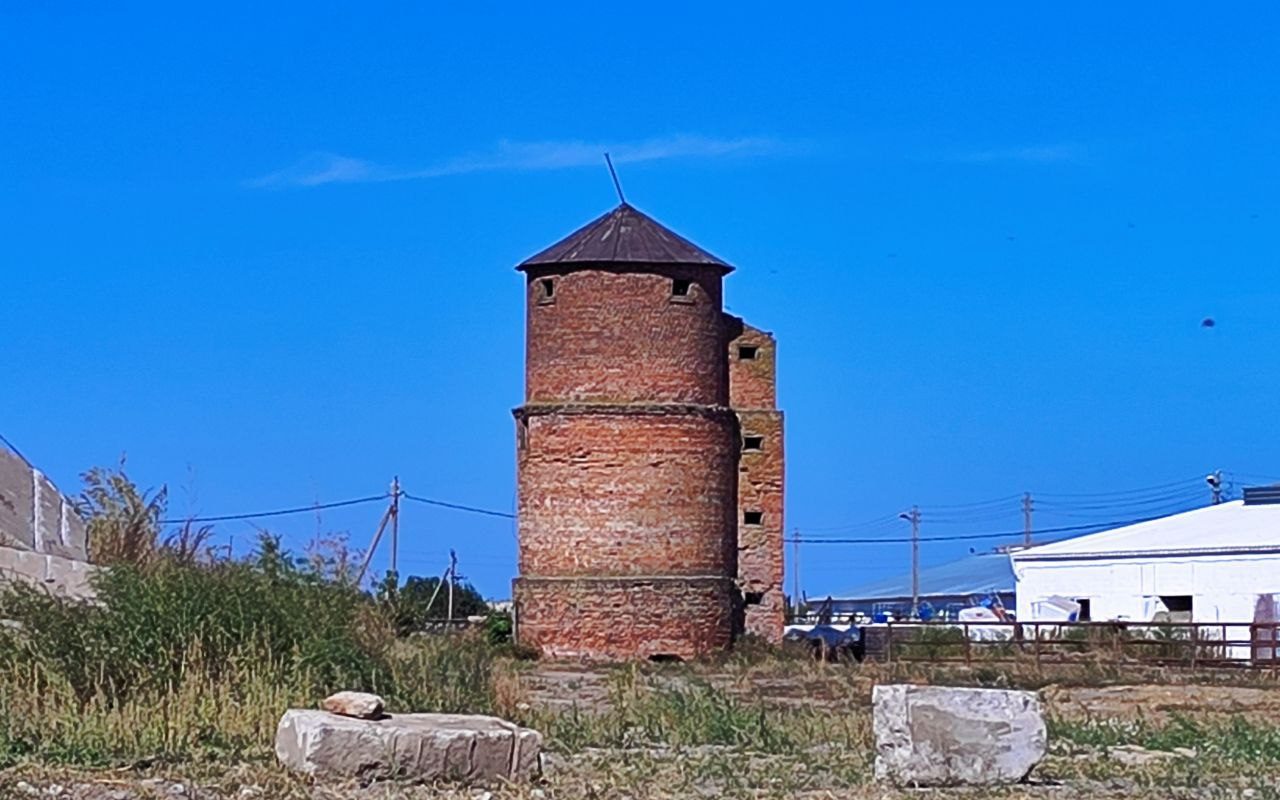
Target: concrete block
x: 946, y: 736
x: 474, y: 749
x: 64, y: 577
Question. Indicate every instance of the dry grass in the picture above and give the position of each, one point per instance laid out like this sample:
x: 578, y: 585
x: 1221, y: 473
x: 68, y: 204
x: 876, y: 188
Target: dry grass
x: 186, y: 669
x: 768, y: 728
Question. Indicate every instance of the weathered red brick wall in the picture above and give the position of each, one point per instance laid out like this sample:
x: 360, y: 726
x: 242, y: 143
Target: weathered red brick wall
x: 752, y: 388
x: 622, y: 619
x: 613, y: 491
x: 760, y: 547
x: 613, y: 336
x: 753, y: 383
x: 627, y: 462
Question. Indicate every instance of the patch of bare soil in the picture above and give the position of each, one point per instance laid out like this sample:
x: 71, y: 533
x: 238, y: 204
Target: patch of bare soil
x: 1158, y: 703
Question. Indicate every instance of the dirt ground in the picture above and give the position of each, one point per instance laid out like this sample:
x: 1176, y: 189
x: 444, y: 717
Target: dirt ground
x: 1161, y: 702
x: 1072, y: 771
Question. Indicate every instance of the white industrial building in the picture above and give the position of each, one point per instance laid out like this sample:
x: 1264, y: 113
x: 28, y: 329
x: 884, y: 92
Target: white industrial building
x: 1216, y: 564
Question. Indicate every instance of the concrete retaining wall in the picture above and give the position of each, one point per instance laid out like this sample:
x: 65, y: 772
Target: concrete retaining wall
x: 42, y: 539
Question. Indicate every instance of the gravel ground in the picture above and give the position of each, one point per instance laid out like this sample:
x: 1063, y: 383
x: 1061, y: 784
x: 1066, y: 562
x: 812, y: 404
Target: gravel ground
x: 703, y: 772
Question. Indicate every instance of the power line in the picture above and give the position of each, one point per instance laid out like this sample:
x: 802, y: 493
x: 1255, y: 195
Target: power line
x: 975, y: 536
x: 878, y: 522
x: 458, y: 506
x: 1252, y: 476
x: 1151, y: 511
x: 339, y: 504
x: 980, y: 503
x: 279, y: 513
x: 1137, y: 501
x: 1123, y: 492
x: 1175, y: 497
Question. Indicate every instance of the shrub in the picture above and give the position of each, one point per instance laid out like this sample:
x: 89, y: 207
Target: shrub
x: 152, y: 625
x: 186, y: 660
x: 422, y: 601
x: 499, y: 627
x: 123, y: 521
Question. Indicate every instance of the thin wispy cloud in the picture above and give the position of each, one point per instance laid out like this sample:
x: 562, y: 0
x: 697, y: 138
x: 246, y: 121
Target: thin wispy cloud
x: 319, y: 169
x: 1037, y: 154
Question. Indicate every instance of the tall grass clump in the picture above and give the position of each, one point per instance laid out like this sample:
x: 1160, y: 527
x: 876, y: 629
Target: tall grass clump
x: 646, y: 711
x: 181, y: 659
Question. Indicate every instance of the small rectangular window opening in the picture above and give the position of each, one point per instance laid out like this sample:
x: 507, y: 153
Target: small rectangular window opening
x: 522, y: 434
x: 747, y: 352
x: 752, y: 444
x: 680, y: 287
x: 548, y: 289
x: 753, y: 598
x: 1177, y: 602
x: 752, y: 517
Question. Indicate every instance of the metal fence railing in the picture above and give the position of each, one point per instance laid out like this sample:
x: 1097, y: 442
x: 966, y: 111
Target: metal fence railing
x: 1188, y: 644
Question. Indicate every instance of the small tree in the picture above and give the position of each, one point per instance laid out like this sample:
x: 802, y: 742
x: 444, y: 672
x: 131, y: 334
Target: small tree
x: 423, y: 600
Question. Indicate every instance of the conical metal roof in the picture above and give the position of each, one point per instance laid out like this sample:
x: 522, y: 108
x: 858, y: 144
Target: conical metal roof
x: 622, y: 236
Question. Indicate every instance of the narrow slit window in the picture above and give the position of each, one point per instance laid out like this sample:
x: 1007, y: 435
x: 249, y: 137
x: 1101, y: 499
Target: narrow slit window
x: 752, y: 444
x: 747, y: 352
x: 547, y: 290
x: 752, y: 517
x: 680, y: 287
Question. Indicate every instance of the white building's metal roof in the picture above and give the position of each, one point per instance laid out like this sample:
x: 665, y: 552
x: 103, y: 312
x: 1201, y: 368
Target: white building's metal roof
x: 975, y: 575
x: 1224, y: 529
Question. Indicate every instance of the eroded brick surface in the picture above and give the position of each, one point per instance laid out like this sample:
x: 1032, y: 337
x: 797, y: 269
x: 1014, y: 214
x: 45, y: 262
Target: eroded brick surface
x: 752, y: 388
x: 753, y: 382
x: 607, y: 491
x: 609, y: 336
x: 625, y: 618
x: 630, y: 471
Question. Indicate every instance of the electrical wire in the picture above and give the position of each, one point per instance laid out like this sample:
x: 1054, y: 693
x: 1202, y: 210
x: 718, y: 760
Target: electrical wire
x: 878, y: 522
x: 1252, y: 476
x: 979, y: 504
x: 457, y: 506
x: 279, y: 513
x: 1175, y: 497
x: 1198, y: 480
x: 1138, y: 502
x: 973, y: 536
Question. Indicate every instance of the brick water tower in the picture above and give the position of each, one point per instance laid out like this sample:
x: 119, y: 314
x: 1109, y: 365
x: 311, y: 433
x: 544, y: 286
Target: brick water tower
x: 627, y: 450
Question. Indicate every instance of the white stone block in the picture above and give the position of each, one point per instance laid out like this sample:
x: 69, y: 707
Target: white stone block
x: 946, y: 736
x: 473, y: 749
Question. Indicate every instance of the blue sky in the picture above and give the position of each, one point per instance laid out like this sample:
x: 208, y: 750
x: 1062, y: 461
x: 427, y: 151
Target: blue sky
x: 267, y: 251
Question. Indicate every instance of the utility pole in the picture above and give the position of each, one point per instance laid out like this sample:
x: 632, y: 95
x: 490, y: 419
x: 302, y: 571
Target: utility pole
x: 393, y: 510
x: 1026, y: 519
x: 795, y: 572
x: 453, y: 577
x: 914, y: 519
x: 395, y: 526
